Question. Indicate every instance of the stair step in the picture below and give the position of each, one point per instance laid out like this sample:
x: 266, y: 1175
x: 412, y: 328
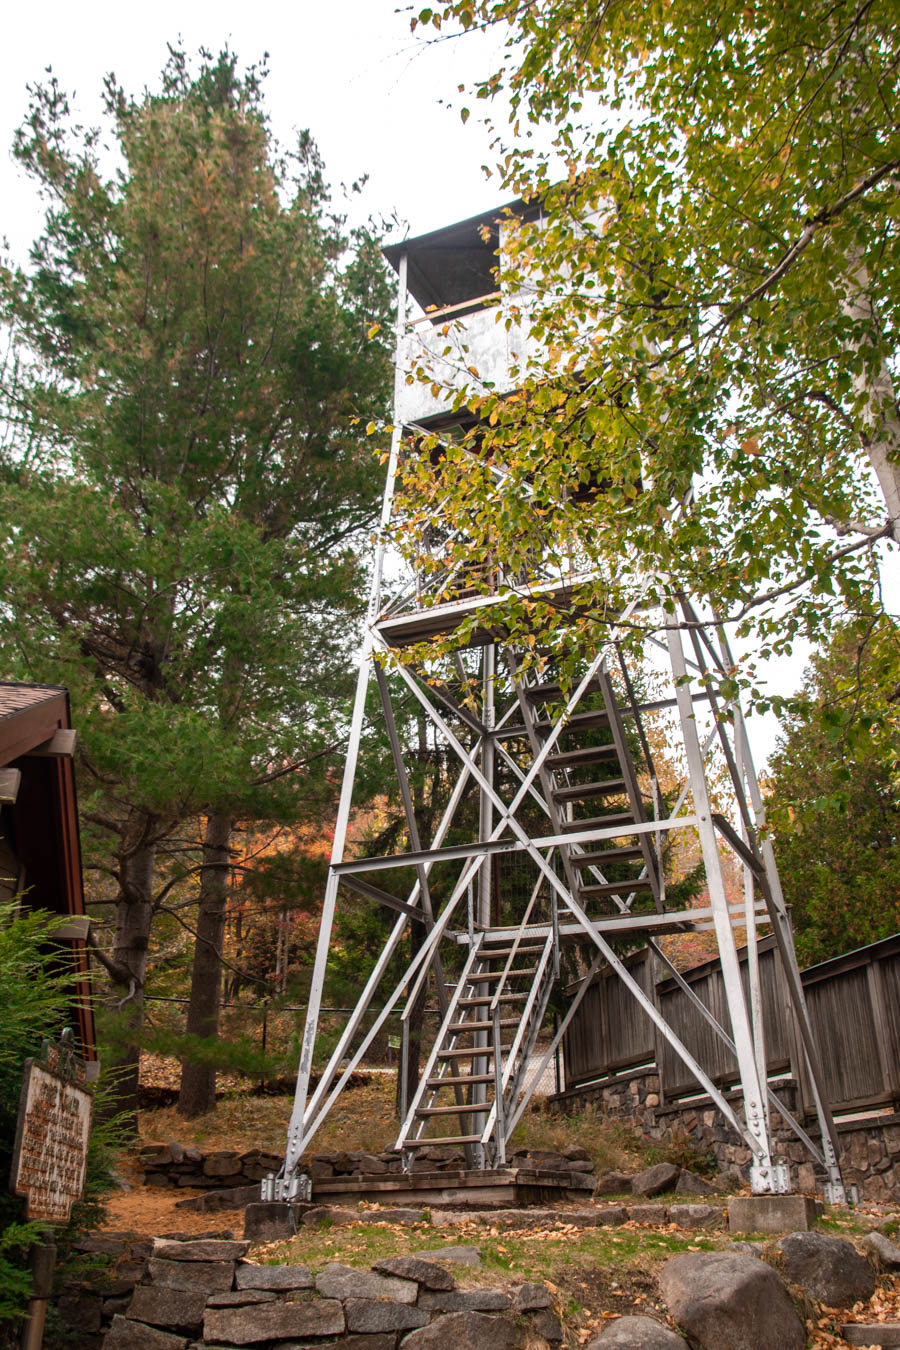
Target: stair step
x: 483, y: 999
x: 608, y: 855
x: 573, y: 759
x: 450, y: 1139
x: 581, y: 791
x: 498, y: 974
x: 495, y: 953
x: 473, y: 1052
x: 615, y: 888
x: 537, y: 693
x: 462, y: 1080
x: 599, y: 822
x: 483, y: 1026
x: 472, y: 1108
x: 580, y: 721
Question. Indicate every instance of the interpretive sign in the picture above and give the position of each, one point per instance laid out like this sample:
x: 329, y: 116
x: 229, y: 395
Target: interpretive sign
x: 50, y: 1155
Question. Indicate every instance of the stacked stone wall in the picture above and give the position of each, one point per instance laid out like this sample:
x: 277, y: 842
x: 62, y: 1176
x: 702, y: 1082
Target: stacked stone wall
x: 870, y: 1157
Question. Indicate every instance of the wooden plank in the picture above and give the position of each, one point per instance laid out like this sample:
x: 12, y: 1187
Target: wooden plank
x: 61, y: 744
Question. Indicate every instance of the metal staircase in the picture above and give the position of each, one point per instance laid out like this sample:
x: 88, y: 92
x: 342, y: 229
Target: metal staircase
x: 482, y: 1050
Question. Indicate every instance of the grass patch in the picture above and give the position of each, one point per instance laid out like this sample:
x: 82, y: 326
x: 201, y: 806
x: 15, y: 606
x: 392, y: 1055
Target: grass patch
x: 611, y: 1148
x: 363, y: 1117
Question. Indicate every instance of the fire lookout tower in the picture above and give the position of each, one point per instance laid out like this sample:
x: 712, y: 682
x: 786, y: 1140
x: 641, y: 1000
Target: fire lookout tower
x: 558, y: 777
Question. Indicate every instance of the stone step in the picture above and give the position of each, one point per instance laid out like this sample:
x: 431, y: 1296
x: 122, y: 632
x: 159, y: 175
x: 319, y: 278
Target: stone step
x: 886, y: 1334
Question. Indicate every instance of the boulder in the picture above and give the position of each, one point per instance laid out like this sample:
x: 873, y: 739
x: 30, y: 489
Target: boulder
x: 203, y: 1250
x: 730, y: 1299
x: 656, y: 1179
x: 466, y: 1331
x: 374, y: 1315
x: 689, y: 1183
x: 271, y: 1322
x: 272, y: 1277
x: 637, y: 1333
x: 828, y: 1268
x: 425, y: 1273
x: 126, y: 1335
x: 175, y: 1309
x: 887, y: 1253
x: 212, y: 1276
x: 613, y: 1183
x: 338, y: 1281
x: 462, y: 1256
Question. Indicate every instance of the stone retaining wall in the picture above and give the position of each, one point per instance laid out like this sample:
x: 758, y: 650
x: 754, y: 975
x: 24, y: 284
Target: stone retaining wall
x: 871, y: 1148
x: 202, y: 1292
x: 173, y: 1164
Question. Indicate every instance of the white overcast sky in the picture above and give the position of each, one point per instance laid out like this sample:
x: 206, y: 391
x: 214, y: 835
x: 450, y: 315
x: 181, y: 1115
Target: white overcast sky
x: 376, y: 100
x: 348, y: 70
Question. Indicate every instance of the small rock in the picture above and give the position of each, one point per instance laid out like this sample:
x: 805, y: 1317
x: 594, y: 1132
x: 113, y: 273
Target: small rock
x: 339, y: 1281
x: 887, y: 1252
x: 425, y: 1273
x: 575, y: 1153
x: 637, y: 1333
x: 696, y: 1216
x: 546, y: 1323
x: 126, y: 1335
x: 466, y: 1331
x: 463, y: 1256
x: 689, y: 1183
x: 729, y: 1299
x: 273, y: 1277
x: 239, y: 1298
x: 656, y: 1179
x: 828, y: 1268
x: 529, y: 1297
x: 754, y: 1248
x: 648, y: 1213
x: 605, y: 1216
x: 174, y: 1309
x: 272, y: 1322
x: 371, y: 1315
x: 466, y: 1300
x: 213, y: 1276
x: 202, y: 1250
x: 613, y: 1183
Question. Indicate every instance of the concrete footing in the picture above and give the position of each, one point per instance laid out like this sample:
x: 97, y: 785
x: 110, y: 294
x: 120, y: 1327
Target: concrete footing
x: 771, y: 1213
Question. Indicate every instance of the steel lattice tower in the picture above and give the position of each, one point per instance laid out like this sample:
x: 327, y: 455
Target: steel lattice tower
x: 564, y: 779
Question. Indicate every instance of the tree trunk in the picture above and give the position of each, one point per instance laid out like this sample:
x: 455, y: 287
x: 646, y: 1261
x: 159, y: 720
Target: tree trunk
x: 881, y: 439
x: 127, y: 964
x: 198, y: 1081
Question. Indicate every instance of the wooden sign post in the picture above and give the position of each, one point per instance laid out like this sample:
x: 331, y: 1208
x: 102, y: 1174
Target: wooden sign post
x: 50, y: 1157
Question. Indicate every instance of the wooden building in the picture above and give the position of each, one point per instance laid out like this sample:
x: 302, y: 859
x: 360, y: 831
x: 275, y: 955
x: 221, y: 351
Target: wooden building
x: 40, y: 850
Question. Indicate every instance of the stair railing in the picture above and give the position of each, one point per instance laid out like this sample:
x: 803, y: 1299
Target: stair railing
x: 438, y: 1045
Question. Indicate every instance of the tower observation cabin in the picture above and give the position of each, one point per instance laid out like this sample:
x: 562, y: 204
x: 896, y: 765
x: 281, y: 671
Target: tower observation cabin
x: 548, y: 857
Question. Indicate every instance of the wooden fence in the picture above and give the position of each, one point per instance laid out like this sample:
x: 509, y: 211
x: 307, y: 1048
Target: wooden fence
x: 854, y: 1007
